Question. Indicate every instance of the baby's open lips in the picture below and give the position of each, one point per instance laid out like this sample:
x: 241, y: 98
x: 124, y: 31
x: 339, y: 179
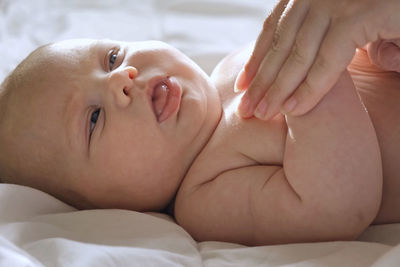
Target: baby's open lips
x: 159, y: 98
x: 165, y: 95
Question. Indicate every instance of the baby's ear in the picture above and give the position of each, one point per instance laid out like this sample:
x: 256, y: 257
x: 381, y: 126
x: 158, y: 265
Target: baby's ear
x: 385, y: 54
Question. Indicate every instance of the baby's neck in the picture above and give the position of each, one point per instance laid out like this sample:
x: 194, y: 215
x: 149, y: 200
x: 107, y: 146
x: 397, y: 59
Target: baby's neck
x: 223, y: 77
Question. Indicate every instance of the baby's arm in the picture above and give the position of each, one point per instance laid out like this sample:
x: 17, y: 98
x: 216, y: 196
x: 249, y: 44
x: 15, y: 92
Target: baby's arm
x: 328, y: 188
x: 332, y: 161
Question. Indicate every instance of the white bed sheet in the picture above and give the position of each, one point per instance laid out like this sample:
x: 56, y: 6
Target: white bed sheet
x: 38, y: 230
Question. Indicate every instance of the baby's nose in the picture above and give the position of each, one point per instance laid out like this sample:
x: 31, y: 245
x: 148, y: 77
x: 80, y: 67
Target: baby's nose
x: 121, y: 84
x: 122, y: 79
x: 132, y: 72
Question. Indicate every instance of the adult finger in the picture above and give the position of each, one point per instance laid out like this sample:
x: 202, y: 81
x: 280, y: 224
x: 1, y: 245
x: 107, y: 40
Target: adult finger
x: 385, y: 54
x: 284, y: 37
x: 335, y: 53
x: 295, y: 68
x: 261, y: 47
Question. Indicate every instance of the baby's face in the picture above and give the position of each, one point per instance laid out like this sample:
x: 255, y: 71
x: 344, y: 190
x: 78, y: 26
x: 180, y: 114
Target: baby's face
x: 127, y: 118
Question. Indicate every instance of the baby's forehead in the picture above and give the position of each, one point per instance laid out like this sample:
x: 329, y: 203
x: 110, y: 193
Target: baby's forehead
x: 42, y: 83
x: 77, y: 56
x: 71, y: 54
x: 62, y: 65
x: 53, y: 72
x: 80, y: 46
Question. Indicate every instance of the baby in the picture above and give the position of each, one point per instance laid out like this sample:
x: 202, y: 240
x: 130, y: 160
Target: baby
x: 139, y: 126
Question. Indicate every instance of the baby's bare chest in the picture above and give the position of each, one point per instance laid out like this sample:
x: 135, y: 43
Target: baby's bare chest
x: 238, y: 143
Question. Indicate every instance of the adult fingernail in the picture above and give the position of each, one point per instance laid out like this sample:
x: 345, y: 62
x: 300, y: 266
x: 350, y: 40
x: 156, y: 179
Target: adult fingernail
x: 261, y: 109
x: 239, y: 83
x: 244, y: 105
x: 289, y: 106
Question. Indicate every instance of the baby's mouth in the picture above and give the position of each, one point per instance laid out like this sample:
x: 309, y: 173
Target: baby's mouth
x: 159, y: 98
x: 166, y: 97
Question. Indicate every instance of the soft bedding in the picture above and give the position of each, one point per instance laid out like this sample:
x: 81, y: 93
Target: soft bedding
x: 39, y: 230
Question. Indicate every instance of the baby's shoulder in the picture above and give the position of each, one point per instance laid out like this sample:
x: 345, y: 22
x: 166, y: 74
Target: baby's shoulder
x: 226, y: 71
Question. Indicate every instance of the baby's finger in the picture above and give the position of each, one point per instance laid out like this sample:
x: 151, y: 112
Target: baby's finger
x: 261, y: 47
x: 294, y: 70
x: 334, y: 55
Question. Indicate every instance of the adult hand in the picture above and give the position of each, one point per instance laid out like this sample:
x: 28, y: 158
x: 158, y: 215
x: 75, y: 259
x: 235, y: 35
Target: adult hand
x: 303, y: 48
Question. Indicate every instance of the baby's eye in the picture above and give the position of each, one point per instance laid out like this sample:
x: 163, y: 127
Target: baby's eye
x: 93, y: 120
x: 113, y: 59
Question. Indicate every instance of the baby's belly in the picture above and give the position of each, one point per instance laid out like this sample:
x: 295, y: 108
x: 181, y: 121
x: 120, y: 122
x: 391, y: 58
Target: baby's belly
x: 380, y: 93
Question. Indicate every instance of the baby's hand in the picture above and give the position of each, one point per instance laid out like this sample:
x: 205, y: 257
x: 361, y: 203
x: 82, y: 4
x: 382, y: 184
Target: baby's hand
x: 385, y: 54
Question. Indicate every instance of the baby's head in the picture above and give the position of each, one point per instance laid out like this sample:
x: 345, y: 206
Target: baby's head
x: 105, y: 124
